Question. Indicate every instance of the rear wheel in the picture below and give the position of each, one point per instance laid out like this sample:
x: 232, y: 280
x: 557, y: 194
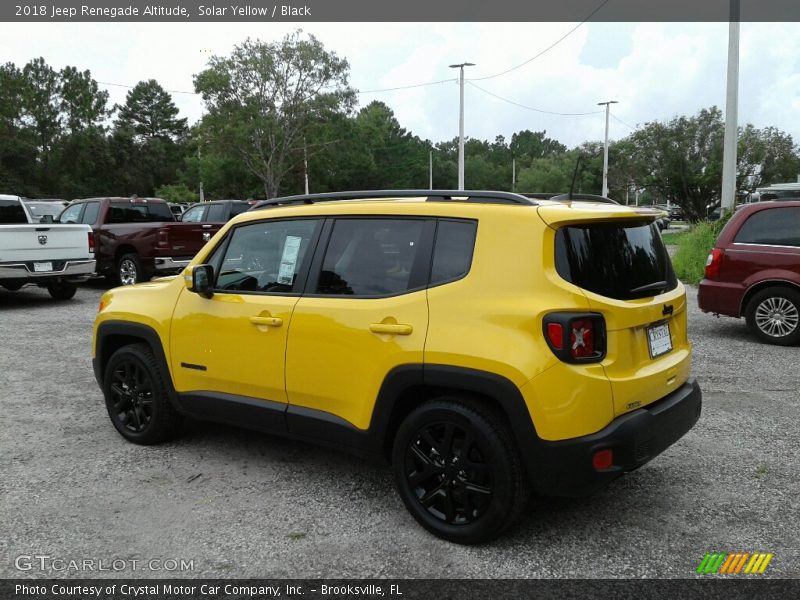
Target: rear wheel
x: 773, y: 314
x: 458, y: 471
x: 62, y: 290
x: 129, y: 270
x: 136, y: 396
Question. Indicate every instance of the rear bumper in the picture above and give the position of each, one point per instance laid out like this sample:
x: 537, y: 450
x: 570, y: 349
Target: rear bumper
x: 167, y: 263
x: 635, y: 438
x: 74, y: 270
x: 720, y: 297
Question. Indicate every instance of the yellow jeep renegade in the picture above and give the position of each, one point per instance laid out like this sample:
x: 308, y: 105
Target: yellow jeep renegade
x: 486, y: 343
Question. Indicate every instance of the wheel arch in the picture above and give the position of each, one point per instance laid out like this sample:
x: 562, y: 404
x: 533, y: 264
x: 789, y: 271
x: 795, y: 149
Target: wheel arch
x: 762, y: 285
x: 113, y: 335
x: 406, y: 387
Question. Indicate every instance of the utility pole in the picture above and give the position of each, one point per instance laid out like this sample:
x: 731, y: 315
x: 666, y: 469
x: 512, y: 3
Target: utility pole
x: 731, y: 113
x: 200, y: 168
x: 461, y: 122
x: 305, y: 164
x: 513, y: 174
x: 430, y: 170
x: 605, y: 146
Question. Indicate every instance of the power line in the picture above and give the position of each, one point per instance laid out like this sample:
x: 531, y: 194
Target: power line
x: 130, y: 87
x: 405, y: 87
x: 623, y: 122
x: 538, y: 110
x: 550, y: 47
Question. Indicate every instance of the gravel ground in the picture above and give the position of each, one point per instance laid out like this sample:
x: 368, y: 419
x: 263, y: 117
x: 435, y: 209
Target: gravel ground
x: 240, y: 504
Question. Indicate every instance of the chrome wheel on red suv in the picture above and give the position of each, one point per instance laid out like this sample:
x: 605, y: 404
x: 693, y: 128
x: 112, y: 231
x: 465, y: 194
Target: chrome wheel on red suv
x: 774, y: 315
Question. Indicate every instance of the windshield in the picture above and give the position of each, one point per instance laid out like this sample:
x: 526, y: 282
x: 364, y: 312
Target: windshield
x: 622, y: 261
x: 45, y: 208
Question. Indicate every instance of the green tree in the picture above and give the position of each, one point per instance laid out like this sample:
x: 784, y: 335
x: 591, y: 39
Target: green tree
x: 83, y: 104
x: 149, y: 112
x: 264, y: 97
x: 41, y: 103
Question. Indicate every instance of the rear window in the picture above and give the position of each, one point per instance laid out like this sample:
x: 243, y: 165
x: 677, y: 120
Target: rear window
x: 130, y: 212
x: 11, y: 212
x: 772, y: 227
x: 622, y: 261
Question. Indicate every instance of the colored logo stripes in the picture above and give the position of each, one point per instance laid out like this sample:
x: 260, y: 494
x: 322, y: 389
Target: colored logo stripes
x: 721, y: 563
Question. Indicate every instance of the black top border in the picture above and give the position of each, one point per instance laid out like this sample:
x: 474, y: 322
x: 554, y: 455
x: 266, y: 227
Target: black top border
x: 314, y: 11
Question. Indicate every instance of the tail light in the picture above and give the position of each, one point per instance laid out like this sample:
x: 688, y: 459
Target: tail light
x: 91, y: 242
x: 576, y: 338
x: 713, y: 263
x: 163, y: 238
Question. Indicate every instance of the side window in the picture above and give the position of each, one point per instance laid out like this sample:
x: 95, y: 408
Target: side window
x: 774, y: 226
x: 90, y: 214
x: 265, y: 256
x: 371, y: 257
x: 193, y: 215
x: 71, y: 214
x: 216, y: 213
x: 452, y: 254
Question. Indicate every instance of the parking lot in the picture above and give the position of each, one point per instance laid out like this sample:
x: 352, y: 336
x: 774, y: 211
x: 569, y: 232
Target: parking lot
x: 233, y: 503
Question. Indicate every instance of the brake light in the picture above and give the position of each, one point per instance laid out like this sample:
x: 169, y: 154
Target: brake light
x: 163, y: 238
x: 581, y: 338
x: 91, y: 242
x: 576, y: 338
x: 714, y: 263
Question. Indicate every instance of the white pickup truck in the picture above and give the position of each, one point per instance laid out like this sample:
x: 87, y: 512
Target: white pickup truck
x: 50, y: 255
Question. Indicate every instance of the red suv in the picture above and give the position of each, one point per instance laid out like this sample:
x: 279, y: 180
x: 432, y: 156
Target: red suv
x: 754, y: 271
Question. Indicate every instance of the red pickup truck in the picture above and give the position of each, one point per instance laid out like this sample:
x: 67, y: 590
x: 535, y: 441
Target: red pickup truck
x: 136, y: 238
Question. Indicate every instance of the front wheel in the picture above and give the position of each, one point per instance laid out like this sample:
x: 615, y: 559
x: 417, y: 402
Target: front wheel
x: 62, y: 290
x: 773, y: 314
x: 458, y: 471
x: 136, y: 396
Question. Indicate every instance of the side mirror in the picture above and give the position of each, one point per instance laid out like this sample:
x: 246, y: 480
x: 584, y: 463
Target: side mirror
x: 202, y: 279
x: 47, y: 219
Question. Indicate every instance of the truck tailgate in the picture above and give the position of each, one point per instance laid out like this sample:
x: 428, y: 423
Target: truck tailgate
x: 35, y: 242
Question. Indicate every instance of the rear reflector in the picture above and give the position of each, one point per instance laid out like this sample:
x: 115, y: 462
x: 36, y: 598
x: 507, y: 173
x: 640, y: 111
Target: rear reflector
x: 603, y: 459
x: 555, y: 333
x: 713, y: 263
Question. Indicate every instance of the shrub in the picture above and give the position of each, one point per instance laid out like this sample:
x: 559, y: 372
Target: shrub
x: 176, y: 193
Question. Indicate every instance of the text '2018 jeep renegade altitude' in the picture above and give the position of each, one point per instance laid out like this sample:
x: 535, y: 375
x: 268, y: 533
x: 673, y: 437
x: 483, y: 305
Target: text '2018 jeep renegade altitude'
x: 487, y: 344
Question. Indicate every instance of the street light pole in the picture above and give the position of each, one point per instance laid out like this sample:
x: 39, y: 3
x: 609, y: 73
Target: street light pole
x: 605, y: 146
x: 731, y: 113
x: 461, y: 122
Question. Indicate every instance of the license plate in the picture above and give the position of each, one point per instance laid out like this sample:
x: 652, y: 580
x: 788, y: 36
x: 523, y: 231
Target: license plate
x: 42, y: 267
x: 659, y: 339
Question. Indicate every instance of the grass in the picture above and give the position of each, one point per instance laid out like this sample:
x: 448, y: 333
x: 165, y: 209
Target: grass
x: 693, y: 248
x: 674, y: 237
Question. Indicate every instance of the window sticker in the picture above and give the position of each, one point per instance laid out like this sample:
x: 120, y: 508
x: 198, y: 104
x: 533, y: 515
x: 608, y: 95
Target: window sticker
x: 291, y: 250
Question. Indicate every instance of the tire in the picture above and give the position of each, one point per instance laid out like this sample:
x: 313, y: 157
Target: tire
x: 62, y: 290
x: 136, y: 397
x: 773, y: 315
x: 464, y: 497
x: 128, y: 270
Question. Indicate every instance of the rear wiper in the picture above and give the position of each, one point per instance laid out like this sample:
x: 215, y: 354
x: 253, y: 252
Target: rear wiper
x: 656, y: 286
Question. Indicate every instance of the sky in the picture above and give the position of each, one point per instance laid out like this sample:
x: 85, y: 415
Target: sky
x: 655, y: 71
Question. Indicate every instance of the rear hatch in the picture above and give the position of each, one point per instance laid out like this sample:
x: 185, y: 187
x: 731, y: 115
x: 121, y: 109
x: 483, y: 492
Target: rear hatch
x: 615, y: 256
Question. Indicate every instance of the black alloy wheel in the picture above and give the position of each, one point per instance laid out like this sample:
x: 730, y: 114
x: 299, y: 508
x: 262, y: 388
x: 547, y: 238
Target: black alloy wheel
x: 136, y: 396
x: 458, y: 470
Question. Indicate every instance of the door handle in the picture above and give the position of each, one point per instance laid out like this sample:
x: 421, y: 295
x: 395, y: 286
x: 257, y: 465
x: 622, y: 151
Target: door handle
x: 391, y: 328
x: 268, y: 321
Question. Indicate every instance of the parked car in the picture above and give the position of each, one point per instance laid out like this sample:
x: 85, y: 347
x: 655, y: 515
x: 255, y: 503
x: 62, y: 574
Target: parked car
x: 754, y: 271
x: 215, y: 211
x: 51, y: 256
x: 715, y: 214
x: 136, y: 237
x: 674, y: 212
x: 485, y: 343
x: 177, y: 208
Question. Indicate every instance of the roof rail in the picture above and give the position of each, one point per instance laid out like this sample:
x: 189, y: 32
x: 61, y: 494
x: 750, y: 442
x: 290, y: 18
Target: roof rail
x: 481, y: 196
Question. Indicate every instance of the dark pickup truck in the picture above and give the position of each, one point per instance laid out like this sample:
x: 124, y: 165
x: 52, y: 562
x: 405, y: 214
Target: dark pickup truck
x: 136, y: 238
